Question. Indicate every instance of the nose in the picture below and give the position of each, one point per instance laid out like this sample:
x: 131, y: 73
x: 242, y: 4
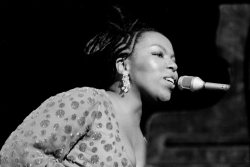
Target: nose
x: 172, y: 65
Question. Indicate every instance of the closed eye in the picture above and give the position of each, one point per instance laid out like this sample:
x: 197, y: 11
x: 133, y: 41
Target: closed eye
x: 159, y: 54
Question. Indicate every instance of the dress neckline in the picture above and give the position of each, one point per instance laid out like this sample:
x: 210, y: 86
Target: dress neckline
x: 122, y: 140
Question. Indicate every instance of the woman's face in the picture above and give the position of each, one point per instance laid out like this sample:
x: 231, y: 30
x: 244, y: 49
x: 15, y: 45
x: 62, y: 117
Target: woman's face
x: 152, y: 66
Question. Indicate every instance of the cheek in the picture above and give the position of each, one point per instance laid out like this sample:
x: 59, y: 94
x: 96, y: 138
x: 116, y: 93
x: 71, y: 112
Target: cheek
x: 147, y: 71
x: 149, y: 66
x: 153, y: 64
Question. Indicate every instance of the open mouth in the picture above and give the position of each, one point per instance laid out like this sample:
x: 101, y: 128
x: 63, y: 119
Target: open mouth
x: 171, y: 80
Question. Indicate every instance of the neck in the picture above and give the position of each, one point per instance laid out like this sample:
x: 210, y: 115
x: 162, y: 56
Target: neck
x: 129, y: 103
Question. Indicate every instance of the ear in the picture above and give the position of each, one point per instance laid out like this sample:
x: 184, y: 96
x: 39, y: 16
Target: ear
x: 122, y: 65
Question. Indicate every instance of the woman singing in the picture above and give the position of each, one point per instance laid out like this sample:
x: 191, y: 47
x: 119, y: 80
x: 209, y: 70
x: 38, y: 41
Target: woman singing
x: 88, y: 126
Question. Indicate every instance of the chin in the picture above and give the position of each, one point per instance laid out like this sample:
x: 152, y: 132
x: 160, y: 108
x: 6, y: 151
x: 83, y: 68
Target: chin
x: 164, y: 96
x: 157, y: 95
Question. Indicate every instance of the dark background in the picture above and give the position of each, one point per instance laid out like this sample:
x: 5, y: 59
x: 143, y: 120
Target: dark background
x: 42, y: 50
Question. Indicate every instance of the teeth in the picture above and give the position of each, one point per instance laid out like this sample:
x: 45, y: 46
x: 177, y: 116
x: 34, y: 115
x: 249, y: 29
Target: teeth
x: 170, y: 80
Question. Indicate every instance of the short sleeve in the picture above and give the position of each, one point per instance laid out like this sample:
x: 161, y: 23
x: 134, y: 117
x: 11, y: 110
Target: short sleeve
x: 47, y: 135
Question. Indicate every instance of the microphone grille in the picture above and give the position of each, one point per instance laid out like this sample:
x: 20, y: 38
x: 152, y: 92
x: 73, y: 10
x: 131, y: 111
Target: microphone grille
x: 184, y: 82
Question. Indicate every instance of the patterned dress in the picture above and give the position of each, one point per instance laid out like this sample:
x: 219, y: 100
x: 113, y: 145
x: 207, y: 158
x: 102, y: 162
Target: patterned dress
x: 74, y: 128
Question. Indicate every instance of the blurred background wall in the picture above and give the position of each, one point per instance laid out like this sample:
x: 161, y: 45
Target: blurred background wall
x: 217, y: 135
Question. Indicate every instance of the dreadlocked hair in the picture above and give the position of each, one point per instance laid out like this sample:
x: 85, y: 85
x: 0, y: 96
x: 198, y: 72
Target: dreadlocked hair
x: 116, y: 41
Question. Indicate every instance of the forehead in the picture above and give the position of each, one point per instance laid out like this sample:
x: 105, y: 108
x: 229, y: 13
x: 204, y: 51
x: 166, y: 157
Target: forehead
x: 152, y: 38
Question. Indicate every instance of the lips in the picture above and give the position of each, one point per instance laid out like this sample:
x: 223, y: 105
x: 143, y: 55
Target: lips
x: 170, y: 80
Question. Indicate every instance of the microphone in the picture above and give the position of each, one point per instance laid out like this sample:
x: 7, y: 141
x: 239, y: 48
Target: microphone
x: 195, y: 83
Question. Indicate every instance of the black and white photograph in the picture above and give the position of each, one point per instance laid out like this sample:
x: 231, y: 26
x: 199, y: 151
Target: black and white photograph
x: 117, y: 83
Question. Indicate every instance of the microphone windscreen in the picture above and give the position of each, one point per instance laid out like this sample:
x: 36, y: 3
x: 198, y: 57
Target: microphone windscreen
x: 190, y: 83
x: 184, y: 82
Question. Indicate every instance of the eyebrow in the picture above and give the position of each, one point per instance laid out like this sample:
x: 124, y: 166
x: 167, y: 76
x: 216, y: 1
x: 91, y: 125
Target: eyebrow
x: 160, y: 46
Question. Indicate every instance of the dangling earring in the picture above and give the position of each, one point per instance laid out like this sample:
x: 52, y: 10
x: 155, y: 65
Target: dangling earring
x: 125, y: 83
